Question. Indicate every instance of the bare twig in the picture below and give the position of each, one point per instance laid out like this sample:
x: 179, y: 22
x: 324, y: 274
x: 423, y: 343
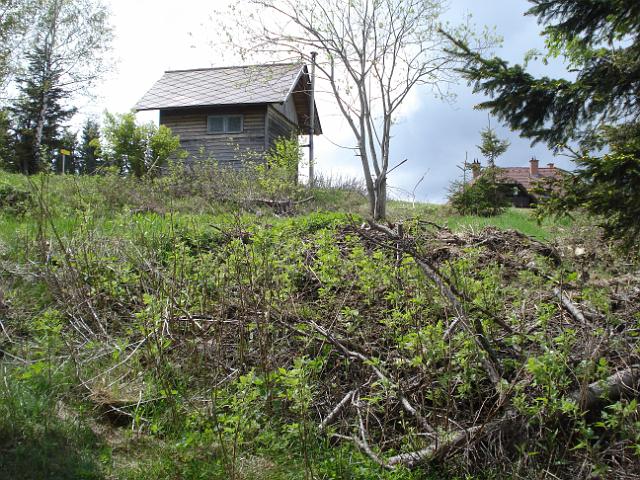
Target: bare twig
x: 338, y: 408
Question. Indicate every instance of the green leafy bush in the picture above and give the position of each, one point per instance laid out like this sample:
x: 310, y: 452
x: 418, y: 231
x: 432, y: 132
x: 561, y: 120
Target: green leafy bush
x: 485, y: 197
x: 278, y: 174
x: 138, y: 149
x: 14, y: 200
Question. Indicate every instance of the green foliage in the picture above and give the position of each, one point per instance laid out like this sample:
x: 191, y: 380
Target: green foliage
x: 13, y: 26
x: 14, y: 200
x: 487, y: 196
x: 278, y: 174
x: 135, y: 149
x: 40, y: 111
x: 36, y: 442
x: 197, y: 325
x: 6, y: 141
x: 607, y: 187
x: 88, y: 156
x: 492, y: 147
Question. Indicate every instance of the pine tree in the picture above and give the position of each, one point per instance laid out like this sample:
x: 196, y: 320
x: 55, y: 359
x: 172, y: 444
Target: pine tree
x: 487, y: 195
x: 65, y: 57
x: 491, y: 146
x: 40, y: 111
x: 88, y: 152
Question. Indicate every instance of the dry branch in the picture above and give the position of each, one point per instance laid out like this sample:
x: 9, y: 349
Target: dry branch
x: 599, y: 394
x: 569, y: 306
x: 406, y: 405
x: 338, y: 408
x: 435, y: 451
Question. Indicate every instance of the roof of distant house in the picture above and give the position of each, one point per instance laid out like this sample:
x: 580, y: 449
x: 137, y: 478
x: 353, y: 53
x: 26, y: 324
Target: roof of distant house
x: 522, y: 175
x: 250, y: 84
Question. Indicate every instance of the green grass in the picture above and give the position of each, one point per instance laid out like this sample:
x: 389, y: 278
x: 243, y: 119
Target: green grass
x: 520, y: 219
x: 37, y: 438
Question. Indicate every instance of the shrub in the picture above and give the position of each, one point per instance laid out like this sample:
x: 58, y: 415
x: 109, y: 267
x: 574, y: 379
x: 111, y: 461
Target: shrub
x: 485, y: 197
x: 14, y: 200
x: 278, y: 174
x: 138, y: 149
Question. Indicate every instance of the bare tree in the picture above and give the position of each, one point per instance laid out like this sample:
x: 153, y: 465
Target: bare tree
x: 372, y: 55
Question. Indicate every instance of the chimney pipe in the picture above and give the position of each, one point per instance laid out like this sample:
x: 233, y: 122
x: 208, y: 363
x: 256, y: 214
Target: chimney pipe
x: 550, y: 165
x: 533, y: 167
x: 476, y: 168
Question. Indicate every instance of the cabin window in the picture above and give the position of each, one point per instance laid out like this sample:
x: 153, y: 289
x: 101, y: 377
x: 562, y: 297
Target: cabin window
x: 224, y: 124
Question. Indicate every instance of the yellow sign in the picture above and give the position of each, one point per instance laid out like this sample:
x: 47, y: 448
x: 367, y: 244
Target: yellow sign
x: 65, y: 152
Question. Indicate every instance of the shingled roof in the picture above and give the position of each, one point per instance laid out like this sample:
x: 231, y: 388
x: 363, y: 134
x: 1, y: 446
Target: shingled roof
x: 252, y: 84
x: 522, y: 175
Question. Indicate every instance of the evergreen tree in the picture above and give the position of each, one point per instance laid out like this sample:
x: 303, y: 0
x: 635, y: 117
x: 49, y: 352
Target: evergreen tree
x: 492, y: 147
x: 487, y: 196
x: 65, y: 58
x: 70, y: 164
x: 599, y: 110
x: 40, y: 111
x: 88, y: 151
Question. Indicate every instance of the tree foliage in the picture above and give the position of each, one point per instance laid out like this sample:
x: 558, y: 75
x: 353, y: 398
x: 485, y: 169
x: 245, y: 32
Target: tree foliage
x: 88, y: 156
x: 6, y: 141
x: 491, y: 146
x: 14, y: 15
x: 65, y: 55
x: 277, y: 175
x: 136, y: 149
x: 487, y: 195
x: 599, y: 110
x: 40, y: 111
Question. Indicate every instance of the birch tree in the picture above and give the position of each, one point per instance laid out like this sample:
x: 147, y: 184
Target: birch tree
x: 13, y: 27
x: 372, y: 54
x: 70, y: 39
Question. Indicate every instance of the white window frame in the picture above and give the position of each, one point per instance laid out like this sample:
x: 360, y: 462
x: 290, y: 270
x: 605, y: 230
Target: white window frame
x: 225, y: 124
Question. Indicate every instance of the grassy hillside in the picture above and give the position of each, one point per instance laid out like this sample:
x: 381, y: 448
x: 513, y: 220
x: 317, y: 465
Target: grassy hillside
x: 192, y: 327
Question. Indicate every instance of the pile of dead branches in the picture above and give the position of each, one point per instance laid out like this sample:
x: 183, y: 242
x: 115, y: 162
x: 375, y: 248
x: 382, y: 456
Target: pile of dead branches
x: 407, y: 429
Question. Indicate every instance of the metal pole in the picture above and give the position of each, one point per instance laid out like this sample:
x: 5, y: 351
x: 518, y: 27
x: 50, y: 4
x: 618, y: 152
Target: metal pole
x: 312, y: 118
x: 64, y: 159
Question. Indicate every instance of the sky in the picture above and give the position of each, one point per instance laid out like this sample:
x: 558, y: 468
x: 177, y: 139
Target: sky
x: 434, y: 136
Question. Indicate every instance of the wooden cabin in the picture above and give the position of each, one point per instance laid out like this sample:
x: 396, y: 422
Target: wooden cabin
x: 231, y: 114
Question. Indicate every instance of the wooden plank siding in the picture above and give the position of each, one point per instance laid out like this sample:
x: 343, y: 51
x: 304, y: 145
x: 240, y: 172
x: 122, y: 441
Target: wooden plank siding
x: 227, y: 149
x: 262, y: 126
x: 278, y: 126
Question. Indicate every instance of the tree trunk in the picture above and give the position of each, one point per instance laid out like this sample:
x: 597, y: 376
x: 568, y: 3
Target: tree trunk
x: 37, y: 140
x: 379, y: 207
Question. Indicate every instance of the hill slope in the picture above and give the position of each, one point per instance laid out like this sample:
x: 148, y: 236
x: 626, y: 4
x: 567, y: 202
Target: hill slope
x: 163, y: 329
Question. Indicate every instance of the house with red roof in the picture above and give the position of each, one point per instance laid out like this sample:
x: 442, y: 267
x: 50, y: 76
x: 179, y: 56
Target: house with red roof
x: 523, y: 180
